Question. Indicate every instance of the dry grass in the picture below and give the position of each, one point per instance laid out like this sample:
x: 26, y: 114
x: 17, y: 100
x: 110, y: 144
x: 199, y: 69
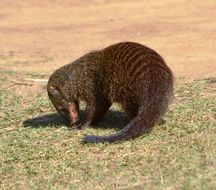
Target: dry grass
x: 42, y: 154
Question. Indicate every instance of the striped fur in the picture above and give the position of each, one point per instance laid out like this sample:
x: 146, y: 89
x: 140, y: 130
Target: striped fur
x: 128, y: 73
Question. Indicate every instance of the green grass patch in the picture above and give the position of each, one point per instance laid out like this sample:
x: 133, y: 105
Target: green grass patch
x: 44, y: 154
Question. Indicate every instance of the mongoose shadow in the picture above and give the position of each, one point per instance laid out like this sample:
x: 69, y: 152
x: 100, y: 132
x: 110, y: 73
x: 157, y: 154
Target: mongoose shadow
x: 114, y: 119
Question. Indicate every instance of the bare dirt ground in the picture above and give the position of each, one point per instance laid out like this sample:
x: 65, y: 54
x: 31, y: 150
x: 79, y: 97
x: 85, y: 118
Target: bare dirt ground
x: 39, y: 36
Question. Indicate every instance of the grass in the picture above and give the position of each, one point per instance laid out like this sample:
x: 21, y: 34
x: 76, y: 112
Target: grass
x: 42, y: 154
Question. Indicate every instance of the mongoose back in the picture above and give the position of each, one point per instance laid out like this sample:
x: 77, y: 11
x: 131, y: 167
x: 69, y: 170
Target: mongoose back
x: 127, y: 73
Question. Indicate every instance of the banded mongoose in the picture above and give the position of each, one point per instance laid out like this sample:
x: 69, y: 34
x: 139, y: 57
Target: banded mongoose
x: 127, y: 73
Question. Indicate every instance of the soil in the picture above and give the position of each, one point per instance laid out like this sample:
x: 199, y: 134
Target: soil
x: 37, y: 37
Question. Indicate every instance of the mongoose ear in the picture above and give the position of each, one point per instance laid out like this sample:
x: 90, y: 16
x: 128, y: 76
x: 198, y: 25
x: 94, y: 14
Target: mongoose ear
x: 54, y: 90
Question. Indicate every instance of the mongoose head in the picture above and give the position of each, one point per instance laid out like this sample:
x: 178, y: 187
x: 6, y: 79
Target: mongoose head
x: 68, y: 108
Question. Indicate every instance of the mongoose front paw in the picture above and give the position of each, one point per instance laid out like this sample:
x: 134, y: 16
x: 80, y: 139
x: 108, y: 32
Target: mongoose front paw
x: 72, y: 127
x: 75, y: 126
x: 78, y: 126
x: 83, y: 126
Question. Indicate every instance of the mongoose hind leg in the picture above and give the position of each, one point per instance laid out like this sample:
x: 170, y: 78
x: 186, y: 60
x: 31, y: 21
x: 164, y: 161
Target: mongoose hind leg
x: 131, y: 108
x: 95, y: 113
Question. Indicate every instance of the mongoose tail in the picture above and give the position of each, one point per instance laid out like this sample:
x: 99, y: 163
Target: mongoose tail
x: 151, y: 111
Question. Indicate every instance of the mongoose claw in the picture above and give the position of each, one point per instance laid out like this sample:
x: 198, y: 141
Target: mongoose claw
x: 84, y: 125
x: 75, y: 126
x: 78, y: 126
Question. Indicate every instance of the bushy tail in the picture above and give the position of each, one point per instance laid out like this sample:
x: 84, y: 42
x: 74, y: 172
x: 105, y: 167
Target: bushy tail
x: 151, y: 110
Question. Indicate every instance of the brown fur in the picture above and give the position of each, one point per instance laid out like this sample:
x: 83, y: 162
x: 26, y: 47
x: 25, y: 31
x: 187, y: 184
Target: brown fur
x: 128, y: 73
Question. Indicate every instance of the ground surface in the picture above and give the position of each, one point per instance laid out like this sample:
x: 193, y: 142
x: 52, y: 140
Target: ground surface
x: 37, y: 37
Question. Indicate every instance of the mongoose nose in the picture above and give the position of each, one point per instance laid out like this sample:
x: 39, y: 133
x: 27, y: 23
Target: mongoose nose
x: 73, y: 121
x: 73, y: 116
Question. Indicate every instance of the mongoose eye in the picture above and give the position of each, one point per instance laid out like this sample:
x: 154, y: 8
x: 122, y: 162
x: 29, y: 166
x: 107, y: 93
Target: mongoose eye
x: 65, y: 111
x: 60, y: 107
